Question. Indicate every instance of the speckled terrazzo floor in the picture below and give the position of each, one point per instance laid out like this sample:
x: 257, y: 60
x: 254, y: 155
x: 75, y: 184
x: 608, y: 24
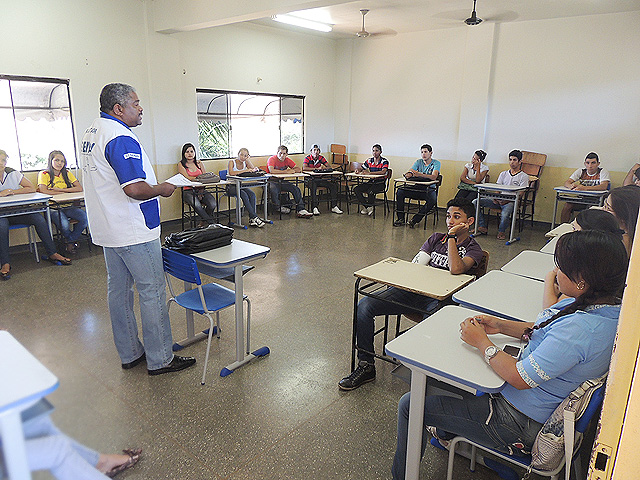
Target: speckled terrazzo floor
x: 281, y: 417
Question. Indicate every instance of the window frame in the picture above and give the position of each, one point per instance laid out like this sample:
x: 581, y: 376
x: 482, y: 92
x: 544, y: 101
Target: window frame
x: 229, y: 115
x: 51, y: 80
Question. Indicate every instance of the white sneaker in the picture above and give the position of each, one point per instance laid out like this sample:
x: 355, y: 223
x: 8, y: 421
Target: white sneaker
x: 285, y: 210
x: 316, y: 211
x: 336, y: 210
x: 304, y: 212
x: 369, y: 211
x: 256, y: 222
x: 364, y: 211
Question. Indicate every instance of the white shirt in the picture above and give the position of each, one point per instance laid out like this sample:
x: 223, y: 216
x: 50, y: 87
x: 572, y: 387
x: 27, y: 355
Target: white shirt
x: 520, y: 179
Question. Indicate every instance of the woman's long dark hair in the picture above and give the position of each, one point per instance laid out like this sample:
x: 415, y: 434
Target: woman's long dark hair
x: 625, y: 203
x: 598, y: 259
x: 596, y: 219
x: 183, y: 160
x: 63, y: 171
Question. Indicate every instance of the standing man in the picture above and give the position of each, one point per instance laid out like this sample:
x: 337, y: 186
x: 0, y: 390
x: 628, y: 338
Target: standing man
x: 121, y: 196
x: 590, y: 178
x: 425, y: 169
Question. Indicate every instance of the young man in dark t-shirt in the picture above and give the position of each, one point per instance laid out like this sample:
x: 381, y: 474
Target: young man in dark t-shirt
x: 454, y: 250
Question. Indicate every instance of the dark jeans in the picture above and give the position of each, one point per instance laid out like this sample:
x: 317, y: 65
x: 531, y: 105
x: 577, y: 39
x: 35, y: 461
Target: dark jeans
x: 314, y: 183
x: 371, y: 188
x: 202, y: 202
x: 248, y: 199
x: 370, y: 307
x: 468, y: 194
x: 61, y: 219
x: 35, y: 219
x: 417, y: 193
x: 278, y: 186
x: 498, y: 426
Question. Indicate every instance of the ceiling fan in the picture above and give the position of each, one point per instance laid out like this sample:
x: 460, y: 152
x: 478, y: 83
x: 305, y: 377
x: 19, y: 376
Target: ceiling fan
x: 473, y: 19
x: 364, y: 33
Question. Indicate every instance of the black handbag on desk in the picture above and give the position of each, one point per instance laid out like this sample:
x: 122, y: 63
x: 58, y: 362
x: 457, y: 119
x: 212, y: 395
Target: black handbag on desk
x: 259, y: 173
x: 196, y: 240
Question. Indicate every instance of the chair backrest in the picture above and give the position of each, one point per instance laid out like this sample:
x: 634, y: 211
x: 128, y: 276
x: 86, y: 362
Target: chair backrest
x: 532, y: 163
x: 387, y: 179
x: 592, y: 408
x: 180, y: 266
x: 439, y: 180
x: 338, y: 153
x: 480, y: 269
x: 222, y: 174
x: 353, y: 166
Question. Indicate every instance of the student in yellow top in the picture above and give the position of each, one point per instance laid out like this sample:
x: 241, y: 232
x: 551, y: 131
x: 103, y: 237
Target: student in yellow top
x: 56, y: 179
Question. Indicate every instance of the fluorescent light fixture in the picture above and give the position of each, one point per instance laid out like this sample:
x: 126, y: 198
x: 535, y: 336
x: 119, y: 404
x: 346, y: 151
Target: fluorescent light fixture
x: 302, y: 22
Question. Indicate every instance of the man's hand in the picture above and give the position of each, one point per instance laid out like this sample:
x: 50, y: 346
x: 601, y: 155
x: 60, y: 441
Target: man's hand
x: 165, y: 189
x: 460, y: 228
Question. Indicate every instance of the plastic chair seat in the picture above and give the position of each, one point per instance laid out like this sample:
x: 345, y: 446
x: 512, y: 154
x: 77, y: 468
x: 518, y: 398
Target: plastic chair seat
x: 216, y: 297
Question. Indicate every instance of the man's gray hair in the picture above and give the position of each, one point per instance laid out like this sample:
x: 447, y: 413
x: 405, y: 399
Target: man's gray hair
x: 115, y: 93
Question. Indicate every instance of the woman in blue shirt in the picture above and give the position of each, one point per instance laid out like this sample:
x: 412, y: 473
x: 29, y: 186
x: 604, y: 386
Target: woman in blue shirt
x: 570, y: 342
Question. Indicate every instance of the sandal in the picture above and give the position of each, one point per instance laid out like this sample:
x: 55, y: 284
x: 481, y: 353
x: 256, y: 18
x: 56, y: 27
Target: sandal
x: 61, y: 261
x: 6, y: 275
x: 501, y: 236
x: 134, y: 456
x: 482, y: 231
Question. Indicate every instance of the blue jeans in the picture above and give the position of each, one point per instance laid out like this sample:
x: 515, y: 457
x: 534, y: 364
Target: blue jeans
x: 202, y: 202
x: 370, y: 307
x: 425, y: 193
x: 61, y: 220
x: 277, y: 186
x: 50, y: 449
x: 248, y: 199
x: 140, y: 264
x: 371, y: 189
x: 499, y: 426
x: 35, y: 219
x: 505, y: 214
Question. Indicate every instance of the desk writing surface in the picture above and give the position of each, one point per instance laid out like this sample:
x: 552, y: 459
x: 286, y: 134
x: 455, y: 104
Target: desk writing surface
x: 424, y: 280
x: 67, y: 197
x: 435, y: 346
x: 593, y: 193
x: 414, y: 182
x: 496, y: 187
x: 505, y: 295
x: 363, y: 175
x: 24, y: 199
x: 24, y: 378
x: 239, y: 251
x: 559, y: 230
x: 550, y: 246
x: 530, y: 264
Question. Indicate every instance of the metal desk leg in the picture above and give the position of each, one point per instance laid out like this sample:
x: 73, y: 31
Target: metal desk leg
x: 555, y: 208
x: 355, y: 324
x: 416, y: 419
x: 241, y: 358
x: 475, y: 232
x: 265, y: 194
x: 192, y: 337
x: 238, y: 200
x: 514, y: 214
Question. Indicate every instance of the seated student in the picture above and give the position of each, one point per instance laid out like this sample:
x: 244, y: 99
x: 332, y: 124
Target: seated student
x: 455, y: 251
x: 571, y: 342
x: 240, y: 165
x: 57, y: 179
x: 624, y: 203
x: 313, y: 162
x: 202, y: 201
x: 376, y: 165
x: 12, y: 182
x: 513, y: 176
x: 473, y: 173
x: 589, y: 219
x: 633, y: 177
x: 424, y: 169
x: 590, y: 178
x: 280, y: 164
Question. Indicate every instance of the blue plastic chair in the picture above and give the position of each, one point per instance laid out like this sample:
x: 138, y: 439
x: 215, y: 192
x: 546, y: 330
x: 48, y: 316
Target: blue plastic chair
x: 507, y: 472
x: 205, y: 299
x: 31, y: 235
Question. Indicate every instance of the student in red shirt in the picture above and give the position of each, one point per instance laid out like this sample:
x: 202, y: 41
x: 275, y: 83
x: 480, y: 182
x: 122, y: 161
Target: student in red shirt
x: 280, y: 164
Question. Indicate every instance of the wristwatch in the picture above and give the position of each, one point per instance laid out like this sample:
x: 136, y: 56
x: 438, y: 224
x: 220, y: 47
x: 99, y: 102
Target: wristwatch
x: 449, y: 235
x: 490, y: 352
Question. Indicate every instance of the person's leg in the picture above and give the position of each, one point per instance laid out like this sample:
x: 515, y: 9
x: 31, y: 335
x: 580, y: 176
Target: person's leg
x: 374, y: 189
x: 249, y: 201
x: 333, y: 191
x: 80, y: 216
x: 565, y: 215
x: 42, y: 228
x: 430, y: 198
x: 297, y: 195
x: 189, y: 197
x: 60, y: 220
x: 359, y: 191
x: 144, y: 262
x: 120, y: 300
x: 209, y: 203
x: 505, y: 217
x: 486, y: 203
x: 400, y: 197
x: 4, y: 241
x: 275, y: 189
x: 313, y: 184
x: 486, y: 420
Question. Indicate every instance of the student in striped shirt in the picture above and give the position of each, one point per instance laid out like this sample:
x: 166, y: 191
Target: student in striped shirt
x: 376, y: 165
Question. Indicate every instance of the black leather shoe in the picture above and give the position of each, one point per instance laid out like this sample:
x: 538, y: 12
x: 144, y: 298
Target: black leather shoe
x: 178, y: 363
x: 136, y: 362
x: 398, y: 223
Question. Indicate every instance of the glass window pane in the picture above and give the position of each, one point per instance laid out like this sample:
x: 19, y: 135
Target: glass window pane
x: 255, y: 123
x: 213, y: 128
x: 8, y: 139
x: 292, y: 125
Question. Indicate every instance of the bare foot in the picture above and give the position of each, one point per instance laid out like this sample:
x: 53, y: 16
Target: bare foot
x: 60, y: 258
x: 6, y: 268
x: 108, y: 462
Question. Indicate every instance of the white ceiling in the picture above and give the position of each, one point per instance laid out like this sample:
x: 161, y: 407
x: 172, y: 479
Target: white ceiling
x: 390, y: 17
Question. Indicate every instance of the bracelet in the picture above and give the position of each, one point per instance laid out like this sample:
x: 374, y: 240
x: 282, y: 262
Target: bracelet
x: 449, y: 236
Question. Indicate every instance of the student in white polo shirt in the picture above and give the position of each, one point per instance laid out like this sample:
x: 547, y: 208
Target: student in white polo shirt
x: 121, y: 197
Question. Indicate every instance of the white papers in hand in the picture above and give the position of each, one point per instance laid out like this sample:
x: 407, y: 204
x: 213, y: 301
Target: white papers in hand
x: 180, y: 180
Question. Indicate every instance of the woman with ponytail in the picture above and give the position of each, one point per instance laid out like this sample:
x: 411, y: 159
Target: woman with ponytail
x: 570, y: 342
